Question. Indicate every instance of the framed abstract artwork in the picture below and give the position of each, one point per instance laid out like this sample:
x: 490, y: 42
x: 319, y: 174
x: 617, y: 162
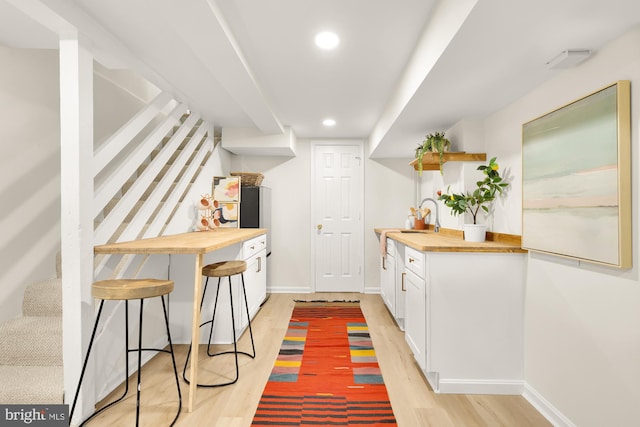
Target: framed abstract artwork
x: 226, y: 200
x: 226, y: 189
x: 576, y: 184
x: 228, y: 214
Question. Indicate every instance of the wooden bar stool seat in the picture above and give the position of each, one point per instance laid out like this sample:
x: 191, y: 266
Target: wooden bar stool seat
x: 224, y: 268
x: 129, y: 289
x: 220, y: 270
x: 125, y: 290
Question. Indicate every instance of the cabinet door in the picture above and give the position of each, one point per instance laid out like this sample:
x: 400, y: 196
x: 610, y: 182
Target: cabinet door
x: 388, y: 282
x: 415, y: 317
x: 255, y: 281
x: 400, y: 286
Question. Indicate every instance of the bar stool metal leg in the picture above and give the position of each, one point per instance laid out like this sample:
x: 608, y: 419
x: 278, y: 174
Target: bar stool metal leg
x: 213, y: 316
x: 139, y: 365
x: 127, y: 351
x: 140, y: 349
x: 233, y: 325
x: 246, y: 306
x: 86, y: 360
x: 173, y: 360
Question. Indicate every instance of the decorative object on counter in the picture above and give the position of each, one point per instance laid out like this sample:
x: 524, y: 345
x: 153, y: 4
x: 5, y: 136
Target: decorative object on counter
x: 482, y: 197
x: 209, y: 214
x: 419, y: 218
x: 436, y: 223
x: 408, y: 224
x: 249, y: 179
x: 435, y: 143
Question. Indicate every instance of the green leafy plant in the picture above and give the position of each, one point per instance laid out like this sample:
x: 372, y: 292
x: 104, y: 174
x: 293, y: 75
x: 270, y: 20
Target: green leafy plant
x: 434, y: 142
x: 487, y: 190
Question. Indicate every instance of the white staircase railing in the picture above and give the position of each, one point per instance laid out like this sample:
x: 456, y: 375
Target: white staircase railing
x: 136, y: 195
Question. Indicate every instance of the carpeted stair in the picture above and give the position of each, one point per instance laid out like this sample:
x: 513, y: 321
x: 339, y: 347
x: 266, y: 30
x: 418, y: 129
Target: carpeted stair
x: 31, y: 349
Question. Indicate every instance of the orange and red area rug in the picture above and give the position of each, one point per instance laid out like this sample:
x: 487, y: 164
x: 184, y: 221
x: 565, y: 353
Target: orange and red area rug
x: 326, y: 373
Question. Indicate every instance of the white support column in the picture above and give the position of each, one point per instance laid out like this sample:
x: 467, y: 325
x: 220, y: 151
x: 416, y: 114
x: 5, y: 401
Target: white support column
x: 76, y: 176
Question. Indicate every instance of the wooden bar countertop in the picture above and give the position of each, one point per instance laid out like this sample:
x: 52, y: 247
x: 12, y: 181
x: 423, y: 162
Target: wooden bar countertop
x: 447, y: 240
x: 196, y: 242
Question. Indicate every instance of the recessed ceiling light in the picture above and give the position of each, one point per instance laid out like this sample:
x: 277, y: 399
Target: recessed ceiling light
x: 329, y: 122
x: 327, y: 40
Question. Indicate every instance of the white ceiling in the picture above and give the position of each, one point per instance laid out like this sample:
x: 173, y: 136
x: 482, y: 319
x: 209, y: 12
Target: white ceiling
x: 403, y: 68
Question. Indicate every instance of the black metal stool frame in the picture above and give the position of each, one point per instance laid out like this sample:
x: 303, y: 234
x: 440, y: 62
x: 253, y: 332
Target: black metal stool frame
x: 233, y: 325
x: 139, y: 350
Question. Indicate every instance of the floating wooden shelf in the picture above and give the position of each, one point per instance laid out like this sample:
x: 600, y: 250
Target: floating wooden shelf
x: 431, y: 161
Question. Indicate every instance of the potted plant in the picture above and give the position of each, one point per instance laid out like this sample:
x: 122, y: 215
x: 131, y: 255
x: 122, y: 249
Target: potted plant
x: 483, y: 195
x: 434, y: 143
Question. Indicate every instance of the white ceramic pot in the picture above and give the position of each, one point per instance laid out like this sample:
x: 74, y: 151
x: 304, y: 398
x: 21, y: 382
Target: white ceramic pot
x: 475, y: 232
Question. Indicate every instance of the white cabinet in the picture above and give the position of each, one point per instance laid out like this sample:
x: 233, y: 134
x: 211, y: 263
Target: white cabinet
x: 400, y: 286
x: 477, y: 320
x: 416, y: 319
x: 464, y: 320
x: 252, y: 251
x: 255, y: 278
x: 388, y: 276
x: 392, y: 278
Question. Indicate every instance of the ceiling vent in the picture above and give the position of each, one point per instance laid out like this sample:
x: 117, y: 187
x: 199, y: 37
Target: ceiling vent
x: 569, y: 58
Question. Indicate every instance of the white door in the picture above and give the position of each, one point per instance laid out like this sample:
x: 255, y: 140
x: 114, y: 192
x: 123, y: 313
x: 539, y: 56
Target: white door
x: 336, y: 214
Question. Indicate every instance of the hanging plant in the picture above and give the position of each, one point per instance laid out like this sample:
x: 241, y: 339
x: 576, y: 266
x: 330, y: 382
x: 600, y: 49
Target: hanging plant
x: 433, y: 143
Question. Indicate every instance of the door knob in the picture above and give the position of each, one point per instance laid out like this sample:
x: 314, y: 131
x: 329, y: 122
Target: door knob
x: 319, y: 226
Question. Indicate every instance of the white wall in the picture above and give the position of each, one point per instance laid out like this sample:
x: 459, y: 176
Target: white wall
x: 29, y: 172
x: 389, y: 192
x: 30, y: 163
x: 582, y: 340
x: 288, y: 177
x: 582, y: 334
x: 469, y: 136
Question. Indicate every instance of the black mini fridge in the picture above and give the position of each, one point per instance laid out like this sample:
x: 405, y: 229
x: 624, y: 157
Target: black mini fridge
x: 255, y: 210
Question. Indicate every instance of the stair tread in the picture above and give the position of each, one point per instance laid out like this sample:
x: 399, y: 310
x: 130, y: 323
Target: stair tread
x: 31, y: 340
x: 31, y: 384
x: 43, y: 298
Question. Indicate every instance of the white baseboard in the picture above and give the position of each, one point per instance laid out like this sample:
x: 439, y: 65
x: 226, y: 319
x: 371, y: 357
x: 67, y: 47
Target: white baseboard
x: 372, y: 289
x: 464, y: 386
x: 289, y: 290
x: 307, y: 290
x: 550, y: 412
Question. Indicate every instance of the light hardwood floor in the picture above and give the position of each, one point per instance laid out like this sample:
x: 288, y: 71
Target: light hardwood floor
x: 414, y: 403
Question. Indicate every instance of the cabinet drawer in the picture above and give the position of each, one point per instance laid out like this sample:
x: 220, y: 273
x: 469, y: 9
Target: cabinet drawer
x: 415, y: 261
x: 253, y: 246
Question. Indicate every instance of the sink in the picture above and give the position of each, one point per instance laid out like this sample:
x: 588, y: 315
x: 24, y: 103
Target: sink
x: 416, y: 231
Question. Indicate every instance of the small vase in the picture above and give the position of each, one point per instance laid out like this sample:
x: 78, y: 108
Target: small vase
x: 475, y: 232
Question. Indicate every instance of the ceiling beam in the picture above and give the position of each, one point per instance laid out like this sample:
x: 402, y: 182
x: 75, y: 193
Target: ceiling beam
x: 440, y: 29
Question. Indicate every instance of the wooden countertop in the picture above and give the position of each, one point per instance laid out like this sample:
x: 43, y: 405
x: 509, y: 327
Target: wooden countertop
x: 451, y: 241
x: 197, y: 242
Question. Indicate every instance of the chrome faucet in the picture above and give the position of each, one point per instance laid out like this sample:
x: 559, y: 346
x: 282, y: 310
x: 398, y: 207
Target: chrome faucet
x: 436, y: 226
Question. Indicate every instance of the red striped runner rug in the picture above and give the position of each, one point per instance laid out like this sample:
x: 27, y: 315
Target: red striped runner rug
x: 326, y: 373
